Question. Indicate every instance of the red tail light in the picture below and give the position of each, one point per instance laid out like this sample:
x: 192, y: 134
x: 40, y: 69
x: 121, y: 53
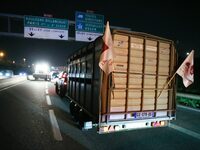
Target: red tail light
x: 64, y: 75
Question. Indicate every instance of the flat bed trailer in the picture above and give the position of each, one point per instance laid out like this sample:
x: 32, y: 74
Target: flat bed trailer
x: 143, y: 64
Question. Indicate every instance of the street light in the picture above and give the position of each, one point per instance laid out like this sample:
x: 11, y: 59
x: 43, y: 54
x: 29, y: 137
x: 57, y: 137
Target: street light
x: 2, y: 54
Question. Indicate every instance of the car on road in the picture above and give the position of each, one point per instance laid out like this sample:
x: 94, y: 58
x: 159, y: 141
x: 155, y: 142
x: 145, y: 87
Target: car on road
x: 61, y: 84
x: 54, y: 75
x: 6, y: 73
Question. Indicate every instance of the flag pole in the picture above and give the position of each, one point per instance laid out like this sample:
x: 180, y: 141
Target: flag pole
x: 100, y: 95
x: 167, y: 83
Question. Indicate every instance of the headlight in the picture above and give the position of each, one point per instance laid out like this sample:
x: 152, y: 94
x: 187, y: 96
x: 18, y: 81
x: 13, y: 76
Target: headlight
x: 22, y: 74
x: 43, y: 68
x: 7, y: 74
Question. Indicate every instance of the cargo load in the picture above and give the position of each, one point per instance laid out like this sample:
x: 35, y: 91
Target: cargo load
x: 129, y: 98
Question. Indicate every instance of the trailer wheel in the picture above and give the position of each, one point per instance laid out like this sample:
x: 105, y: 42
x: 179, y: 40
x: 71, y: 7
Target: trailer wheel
x: 83, y: 117
x: 56, y: 89
x: 71, y: 108
x: 76, y: 113
x: 62, y: 91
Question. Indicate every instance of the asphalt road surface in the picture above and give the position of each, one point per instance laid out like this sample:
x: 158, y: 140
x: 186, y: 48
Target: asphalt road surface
x: 33, y: 117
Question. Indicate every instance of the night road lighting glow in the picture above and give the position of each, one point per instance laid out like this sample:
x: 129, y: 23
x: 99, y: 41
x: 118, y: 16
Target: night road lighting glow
x: 42, y: 68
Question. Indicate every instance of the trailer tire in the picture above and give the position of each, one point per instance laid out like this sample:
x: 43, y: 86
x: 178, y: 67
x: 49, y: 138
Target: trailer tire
x: 83, y: 117
x: 71, y: 108
x: 56, y: 89
x: 62, y: 91
x: 76, y: 113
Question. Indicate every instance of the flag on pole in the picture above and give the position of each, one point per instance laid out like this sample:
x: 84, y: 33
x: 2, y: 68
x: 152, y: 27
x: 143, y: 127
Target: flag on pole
x: 186, y: 70
x: 107, y: 54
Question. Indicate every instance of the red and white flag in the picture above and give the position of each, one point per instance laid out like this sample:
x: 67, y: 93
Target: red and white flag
x: 186, y: 70
x: 107, y: 54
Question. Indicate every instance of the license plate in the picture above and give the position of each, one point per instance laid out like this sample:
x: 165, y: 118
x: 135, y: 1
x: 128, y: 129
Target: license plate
x: 141, y: 115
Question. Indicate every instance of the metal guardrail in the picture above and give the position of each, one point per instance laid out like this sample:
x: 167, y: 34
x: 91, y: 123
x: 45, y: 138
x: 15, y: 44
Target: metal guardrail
x: 191, y: 100
x: 191, y: 96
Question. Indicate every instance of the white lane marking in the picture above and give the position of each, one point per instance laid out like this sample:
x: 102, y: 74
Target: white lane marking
x: 56, y: 131
x: 186, y: 131
x: 47, y: 92
x: 189, y: 108
x: 48, y: 100
x: 46, y: 86
x: 11, y: 86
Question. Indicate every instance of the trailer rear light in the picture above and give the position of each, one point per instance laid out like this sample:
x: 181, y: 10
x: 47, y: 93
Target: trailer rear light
x: 110, y: 128
x: 64, y: 75
x: 162, y: 123
x: 105, y: 129
x: 158, y: 124
x: 116, y: 128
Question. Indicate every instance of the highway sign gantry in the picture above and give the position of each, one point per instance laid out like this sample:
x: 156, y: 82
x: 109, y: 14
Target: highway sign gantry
x: 45, y: 28
x: 88, y: 26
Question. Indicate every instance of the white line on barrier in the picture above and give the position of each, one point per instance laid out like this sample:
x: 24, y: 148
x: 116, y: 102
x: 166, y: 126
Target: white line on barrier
x: 189, y: 108
x: 55, y: 127
x: 187, y: 95
x: 186, y: 131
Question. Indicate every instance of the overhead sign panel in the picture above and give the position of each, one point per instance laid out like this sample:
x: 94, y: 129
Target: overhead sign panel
x: 45, y: 28
x: 89, y: 26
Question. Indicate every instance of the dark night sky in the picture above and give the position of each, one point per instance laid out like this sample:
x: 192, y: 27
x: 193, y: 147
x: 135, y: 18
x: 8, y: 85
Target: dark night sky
x: 178, y: 21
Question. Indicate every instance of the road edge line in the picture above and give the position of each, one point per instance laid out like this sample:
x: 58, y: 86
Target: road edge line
x: 185, y: 131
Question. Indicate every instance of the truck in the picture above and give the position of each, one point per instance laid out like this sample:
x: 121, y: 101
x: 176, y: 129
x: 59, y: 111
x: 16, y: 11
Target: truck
x: 132, y: 96
x: 42, y: 71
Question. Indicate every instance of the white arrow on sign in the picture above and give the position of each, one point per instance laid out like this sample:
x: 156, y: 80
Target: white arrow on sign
x: 45, y: 33
x: 86, y: 36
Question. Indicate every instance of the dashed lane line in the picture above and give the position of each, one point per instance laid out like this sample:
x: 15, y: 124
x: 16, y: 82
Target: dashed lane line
x: 46, y: 86
x: 48, y: 100
x: 55, y: 127
x: 47, y: 92
x: 185, y: 131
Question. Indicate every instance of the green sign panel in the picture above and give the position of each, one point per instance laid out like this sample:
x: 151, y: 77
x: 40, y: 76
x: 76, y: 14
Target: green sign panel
x: 43, y: 22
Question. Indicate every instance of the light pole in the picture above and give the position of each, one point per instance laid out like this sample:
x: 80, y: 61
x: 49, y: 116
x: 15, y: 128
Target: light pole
x: 24, y: 59
x: 2, y: 56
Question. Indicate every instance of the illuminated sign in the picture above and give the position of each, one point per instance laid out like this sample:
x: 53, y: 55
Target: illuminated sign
x: 89, y: 26
x: 45, y: 28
